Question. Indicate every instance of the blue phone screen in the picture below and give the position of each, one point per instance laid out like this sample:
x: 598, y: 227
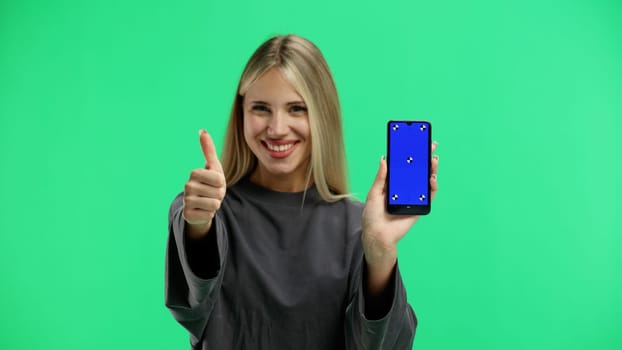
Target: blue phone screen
x: 409, y: 163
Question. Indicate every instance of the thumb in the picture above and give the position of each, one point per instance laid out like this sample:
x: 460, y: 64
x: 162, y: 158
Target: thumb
x: 377, y: 188
x: 209, y: 151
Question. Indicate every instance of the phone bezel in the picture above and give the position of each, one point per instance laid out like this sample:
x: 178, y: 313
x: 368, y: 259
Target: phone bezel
x: 408, y: 209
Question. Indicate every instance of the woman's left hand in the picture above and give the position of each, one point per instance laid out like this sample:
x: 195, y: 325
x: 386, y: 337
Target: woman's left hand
x: 381, y: 230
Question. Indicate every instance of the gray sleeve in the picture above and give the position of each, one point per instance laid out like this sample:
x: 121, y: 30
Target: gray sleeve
x: 395, y: 331
x: 189, y: 297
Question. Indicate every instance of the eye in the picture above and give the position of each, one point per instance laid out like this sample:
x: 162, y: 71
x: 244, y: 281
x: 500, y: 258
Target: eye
x: 298, y: 109
x: 261, y: 109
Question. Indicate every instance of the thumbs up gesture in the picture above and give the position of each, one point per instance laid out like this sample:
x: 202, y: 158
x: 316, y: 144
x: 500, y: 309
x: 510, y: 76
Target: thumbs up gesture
x: 204, y: 191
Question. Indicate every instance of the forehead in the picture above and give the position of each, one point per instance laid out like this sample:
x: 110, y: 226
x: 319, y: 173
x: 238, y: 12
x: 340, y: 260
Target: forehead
x: 272, y: 87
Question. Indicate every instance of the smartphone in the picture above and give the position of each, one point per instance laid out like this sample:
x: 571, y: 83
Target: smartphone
x: 409, y: 149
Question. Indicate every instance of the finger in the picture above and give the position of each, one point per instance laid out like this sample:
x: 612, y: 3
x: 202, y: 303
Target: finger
x: 377, y: 187
x: 193, y: 188
x: 209, y: 151
x: 434, y: 177
x: 202, y: 203
x: 433, y: 186
x: 434, y: 144
x: 208, y: 177
x: 434, y: 169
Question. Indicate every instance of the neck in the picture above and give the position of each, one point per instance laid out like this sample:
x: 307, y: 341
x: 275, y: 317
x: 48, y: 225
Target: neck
x: 284, y: 183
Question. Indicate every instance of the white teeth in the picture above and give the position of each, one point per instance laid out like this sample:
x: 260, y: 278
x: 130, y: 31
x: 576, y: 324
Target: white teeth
x: 279, y: 148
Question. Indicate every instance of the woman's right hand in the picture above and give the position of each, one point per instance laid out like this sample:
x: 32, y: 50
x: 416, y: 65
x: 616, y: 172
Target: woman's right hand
x: 204, y: 191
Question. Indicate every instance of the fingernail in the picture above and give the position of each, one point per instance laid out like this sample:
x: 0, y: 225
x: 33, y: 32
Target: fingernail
x: 200, y: 131
x: 382, y: 158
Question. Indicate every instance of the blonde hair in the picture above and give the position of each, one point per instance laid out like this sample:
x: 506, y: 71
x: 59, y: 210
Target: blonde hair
x: 303, y: 65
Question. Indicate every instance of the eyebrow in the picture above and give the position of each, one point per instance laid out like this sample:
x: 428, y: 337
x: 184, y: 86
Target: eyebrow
x: 287, y: 104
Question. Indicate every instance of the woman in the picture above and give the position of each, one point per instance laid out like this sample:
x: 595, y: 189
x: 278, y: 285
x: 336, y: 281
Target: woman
x: 266, y: 249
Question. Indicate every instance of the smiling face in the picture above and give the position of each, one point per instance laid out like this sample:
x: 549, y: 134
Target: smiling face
x: 276, y: 129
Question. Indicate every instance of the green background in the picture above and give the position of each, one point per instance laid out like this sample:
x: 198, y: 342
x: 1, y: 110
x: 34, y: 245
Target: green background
x: 100, y: 103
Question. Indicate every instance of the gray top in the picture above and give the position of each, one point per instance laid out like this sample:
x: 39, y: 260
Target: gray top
x: 280, y: 275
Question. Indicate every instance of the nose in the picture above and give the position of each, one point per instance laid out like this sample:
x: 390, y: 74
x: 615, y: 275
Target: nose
x: 277, y: 126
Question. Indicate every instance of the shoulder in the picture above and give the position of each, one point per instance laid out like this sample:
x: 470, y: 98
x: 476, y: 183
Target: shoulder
x: 349, y: 204
x: 347, y: 211
x: 353, y: 207
x: 355, y: 204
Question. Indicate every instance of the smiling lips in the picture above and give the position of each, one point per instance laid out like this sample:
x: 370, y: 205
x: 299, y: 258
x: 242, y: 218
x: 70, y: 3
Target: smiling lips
x: 279, y: 149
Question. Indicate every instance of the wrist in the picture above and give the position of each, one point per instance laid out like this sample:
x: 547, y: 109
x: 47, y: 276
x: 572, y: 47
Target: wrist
x: 379, y: 271
x: 197, y: 231
x: 379, y: 253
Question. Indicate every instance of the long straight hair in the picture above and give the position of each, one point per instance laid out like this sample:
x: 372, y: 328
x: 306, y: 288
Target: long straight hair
x: 304, y: 66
